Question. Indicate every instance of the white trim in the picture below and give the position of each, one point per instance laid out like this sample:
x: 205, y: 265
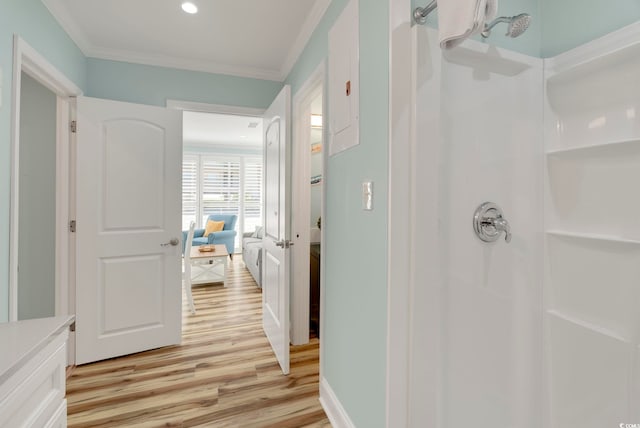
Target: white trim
x: 301, y: 201
x: 589, y: 52
x: 73, y: 115
x: 312, y: 20
x: 332, y: 407
x: 144, y: 58
x: 400, y: 278
x: 62, y: 207
x: 68, y: 24
x: 214, y: 108
x: 308, y: 27
x: 27, y: 59
x: 323, y: 210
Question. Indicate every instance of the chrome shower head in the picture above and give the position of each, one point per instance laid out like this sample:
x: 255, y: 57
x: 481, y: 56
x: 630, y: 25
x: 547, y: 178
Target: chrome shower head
x: 517, y: 25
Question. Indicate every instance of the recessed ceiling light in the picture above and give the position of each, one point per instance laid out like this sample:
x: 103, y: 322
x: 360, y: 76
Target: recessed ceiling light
x: 243, y: 136
x: 189, y: 7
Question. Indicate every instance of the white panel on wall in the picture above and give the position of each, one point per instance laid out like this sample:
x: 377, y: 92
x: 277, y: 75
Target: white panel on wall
x: 592, y: 137
x: 482, y: 310
x: 344, y: 81
x: 590, y: 189
x: 596, y: 101
x: 596, y: 282
x: 590, y: 382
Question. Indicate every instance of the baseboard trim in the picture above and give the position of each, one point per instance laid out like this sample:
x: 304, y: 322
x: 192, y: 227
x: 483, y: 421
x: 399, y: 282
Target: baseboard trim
x: 332, y: 407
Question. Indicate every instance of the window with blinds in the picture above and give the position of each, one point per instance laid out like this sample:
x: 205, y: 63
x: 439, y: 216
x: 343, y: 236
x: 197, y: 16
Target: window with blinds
x: 222, y: 185
x: 252, y: 194
x: 190, y: 184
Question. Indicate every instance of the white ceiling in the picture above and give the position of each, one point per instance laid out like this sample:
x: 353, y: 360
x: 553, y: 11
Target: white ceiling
x: 250, y: 38
x: 221, y: 130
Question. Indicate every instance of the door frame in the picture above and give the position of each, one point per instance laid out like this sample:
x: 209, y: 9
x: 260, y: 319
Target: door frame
x: 27, y: 59
x: 214, y: 108
x: 217, y: 109
x: 301, y: 201
x: 401, y: 328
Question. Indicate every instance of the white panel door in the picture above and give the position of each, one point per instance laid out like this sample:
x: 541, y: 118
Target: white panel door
x: 128, y: 296
x: 275, y: 255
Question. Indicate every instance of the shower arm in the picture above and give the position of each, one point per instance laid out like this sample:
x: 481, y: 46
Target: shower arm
x: 420, y: 13
x: 486, y: 32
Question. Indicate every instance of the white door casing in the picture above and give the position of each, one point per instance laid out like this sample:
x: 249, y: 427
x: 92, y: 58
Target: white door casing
x: 128, y: 209
x: 301, y: 202
x: 275, y: 253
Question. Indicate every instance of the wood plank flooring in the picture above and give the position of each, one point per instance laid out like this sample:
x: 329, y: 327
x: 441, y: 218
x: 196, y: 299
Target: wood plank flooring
x: 223, y: 374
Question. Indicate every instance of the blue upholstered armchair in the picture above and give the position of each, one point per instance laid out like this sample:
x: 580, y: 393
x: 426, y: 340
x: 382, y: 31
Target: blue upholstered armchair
x: 226, y: 236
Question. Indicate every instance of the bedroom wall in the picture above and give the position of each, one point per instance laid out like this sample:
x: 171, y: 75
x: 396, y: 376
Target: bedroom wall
x: 355, y: 247
x: 153, y: 85
x: 32, y: 21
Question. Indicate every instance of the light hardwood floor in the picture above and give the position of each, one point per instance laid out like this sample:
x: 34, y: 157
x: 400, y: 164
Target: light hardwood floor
x: 223, y: 375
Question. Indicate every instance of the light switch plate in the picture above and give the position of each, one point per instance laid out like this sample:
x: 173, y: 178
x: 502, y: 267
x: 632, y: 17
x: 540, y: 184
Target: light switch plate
x: 367, y: 195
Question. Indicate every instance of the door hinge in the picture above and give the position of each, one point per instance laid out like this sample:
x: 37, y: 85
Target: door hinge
x: 74, y: 126
x: 72, y: 226
x: 72, y: 327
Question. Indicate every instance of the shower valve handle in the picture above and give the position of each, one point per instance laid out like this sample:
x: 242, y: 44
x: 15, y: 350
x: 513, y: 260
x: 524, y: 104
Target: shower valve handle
x: 488, y: 223
x: 502, y: 225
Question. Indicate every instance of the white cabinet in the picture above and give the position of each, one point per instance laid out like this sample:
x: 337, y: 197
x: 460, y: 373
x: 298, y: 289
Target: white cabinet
x: 344, y: 81
x: 32, y: 373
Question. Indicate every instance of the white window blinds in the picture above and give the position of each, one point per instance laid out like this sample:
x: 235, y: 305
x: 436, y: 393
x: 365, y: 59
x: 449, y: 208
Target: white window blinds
x: 222, y: 185
x: 190, y: 182
x: 252, y: 194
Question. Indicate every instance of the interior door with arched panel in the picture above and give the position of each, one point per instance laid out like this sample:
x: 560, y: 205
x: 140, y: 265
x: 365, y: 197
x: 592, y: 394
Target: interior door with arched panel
x: 276, y: 242
x: 128, y: 227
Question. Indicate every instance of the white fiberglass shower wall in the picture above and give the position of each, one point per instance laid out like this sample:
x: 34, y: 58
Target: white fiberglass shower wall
x: 543, y: 331
x: 592, y: 233
x: 478, y: 138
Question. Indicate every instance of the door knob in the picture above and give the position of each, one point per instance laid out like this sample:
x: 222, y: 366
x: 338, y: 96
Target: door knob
x: 489, y: 223
x: 173, y: 242
x: 284, y: 244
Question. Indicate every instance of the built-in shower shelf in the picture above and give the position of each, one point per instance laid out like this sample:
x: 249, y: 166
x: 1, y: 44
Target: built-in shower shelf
x: 584, y: 324
x: 595, y: 149
x: 592, y: 237
x: 608, y: 51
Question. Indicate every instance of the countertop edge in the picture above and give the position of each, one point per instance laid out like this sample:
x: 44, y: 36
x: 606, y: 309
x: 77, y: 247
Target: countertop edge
x: 49, y: 329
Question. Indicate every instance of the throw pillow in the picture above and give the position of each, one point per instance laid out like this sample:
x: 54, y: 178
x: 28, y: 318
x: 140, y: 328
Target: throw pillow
x: 213, y: 226
x: 259, y: 233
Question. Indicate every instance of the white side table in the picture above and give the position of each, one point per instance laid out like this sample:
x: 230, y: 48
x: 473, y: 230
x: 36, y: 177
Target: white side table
x: 210, y: 266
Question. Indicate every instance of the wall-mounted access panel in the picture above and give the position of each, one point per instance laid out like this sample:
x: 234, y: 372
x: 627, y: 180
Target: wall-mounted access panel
x: 344, y: 81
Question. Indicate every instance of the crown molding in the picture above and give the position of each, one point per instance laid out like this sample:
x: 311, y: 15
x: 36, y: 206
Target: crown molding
x: 308, y: 27
x: 69, y: 25
x: 90, y: 50
x: 184, y: 64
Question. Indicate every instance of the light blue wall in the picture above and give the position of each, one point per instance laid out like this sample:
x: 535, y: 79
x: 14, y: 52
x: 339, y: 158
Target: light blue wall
x: 32, y: 21
x: 570, y: 23
x: 528, y: 43
x: 151, y: 85
x: 37, y: 225
x: 355, y: 249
